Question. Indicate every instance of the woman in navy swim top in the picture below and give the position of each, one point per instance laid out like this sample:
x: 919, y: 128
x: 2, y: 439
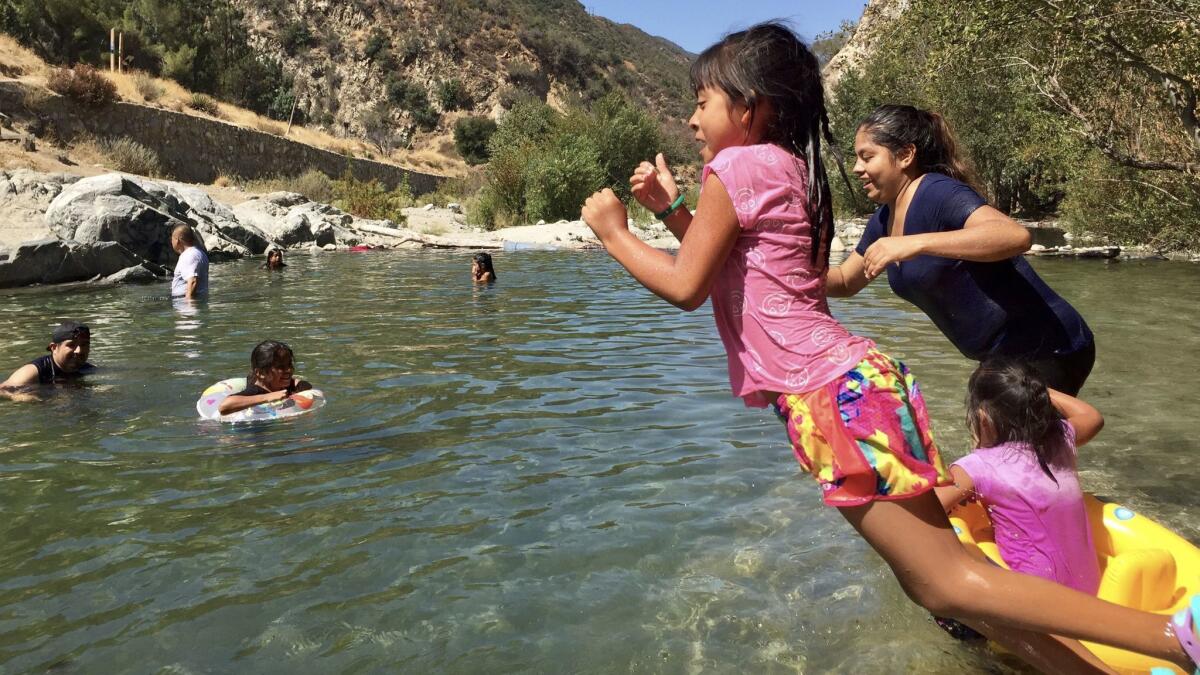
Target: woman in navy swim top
x: 953, y: 256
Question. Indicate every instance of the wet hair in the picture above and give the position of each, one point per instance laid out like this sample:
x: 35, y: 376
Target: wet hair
x: 268, y: 354
x: 768, y: 63
x: 1017, y: 403
x: 485, y: 263
x: 896, y: 127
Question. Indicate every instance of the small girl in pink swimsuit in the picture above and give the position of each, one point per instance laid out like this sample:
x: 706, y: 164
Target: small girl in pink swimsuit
x: 1024, y: 471
x: 758, y: 247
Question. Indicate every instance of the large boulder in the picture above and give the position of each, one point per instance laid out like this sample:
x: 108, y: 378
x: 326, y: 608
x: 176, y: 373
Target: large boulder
x: 53, y: 261
x: 139, y: 214
x: 216, y: 219
x: 290, y: 220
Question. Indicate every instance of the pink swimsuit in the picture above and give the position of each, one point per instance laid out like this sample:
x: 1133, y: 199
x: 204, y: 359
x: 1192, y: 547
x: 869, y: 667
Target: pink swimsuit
x: 769, y: 298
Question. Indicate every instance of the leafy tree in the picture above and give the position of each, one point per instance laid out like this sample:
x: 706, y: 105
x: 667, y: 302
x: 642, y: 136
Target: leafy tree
x: 471, y: 136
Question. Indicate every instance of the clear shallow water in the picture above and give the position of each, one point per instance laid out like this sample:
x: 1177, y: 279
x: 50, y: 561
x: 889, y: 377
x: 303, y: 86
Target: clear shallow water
x: 548, y: 475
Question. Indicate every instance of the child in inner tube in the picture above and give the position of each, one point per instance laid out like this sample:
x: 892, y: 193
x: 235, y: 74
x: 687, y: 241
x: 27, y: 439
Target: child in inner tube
x: 271, y: 378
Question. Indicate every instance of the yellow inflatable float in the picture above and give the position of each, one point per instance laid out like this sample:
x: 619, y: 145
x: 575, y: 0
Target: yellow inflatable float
x: 1142, y: 565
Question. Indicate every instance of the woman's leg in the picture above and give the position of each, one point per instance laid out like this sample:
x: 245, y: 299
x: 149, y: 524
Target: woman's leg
x: 916, y: 540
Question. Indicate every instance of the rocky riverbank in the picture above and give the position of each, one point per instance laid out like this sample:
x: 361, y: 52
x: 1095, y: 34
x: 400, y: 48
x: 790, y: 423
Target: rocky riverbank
x: 113, y: 227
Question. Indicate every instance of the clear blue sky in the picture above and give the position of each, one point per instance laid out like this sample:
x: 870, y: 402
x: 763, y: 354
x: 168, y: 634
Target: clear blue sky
x: 696, y: 24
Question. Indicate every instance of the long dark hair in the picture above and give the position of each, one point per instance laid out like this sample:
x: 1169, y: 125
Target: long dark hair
x: 1017, y: 403
x: 896, y: 127
x: 268, y: 354
x: 769, y: 63
x: 484, y: 260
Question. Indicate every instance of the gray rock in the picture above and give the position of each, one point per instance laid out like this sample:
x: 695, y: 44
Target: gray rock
x: 285, y: 199
x: 137, y: 274
x: 139, y: 214
x: 52, y: 261
x: 222, y: 221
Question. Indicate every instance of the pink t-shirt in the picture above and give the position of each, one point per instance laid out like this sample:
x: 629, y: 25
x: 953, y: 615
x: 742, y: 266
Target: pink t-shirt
x: 1041, y: 526
x: 768, y: 297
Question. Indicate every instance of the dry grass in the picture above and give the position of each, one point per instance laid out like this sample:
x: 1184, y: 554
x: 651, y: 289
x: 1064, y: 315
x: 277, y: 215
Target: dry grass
x: 150, y: 90
x: 87, y: 150
x: 13, y: 157
x: 17, y: 58
x: 175, y: 97
x: 267, y: 126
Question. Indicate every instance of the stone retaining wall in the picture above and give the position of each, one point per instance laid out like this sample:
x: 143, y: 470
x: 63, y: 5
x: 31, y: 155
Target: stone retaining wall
x: 197, y: 149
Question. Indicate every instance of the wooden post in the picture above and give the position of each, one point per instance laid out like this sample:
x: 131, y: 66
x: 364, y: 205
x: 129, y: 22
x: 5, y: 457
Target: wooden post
x: 291, y: 115
x: 121, y: 52
x: 112, y: 50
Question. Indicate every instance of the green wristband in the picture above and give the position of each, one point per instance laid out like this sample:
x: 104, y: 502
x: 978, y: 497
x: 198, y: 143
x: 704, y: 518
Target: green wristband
x: 663, y: 215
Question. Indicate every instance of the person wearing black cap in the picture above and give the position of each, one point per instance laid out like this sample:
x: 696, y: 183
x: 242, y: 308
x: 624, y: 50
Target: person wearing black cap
x: 69, y: 347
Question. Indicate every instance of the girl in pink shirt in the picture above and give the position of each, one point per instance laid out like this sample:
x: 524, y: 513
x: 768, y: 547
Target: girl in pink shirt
x: 758, y: 246
x: 1023, y: 469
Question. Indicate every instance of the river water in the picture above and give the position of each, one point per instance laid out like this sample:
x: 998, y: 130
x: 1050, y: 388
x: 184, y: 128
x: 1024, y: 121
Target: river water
x: 546, y: 475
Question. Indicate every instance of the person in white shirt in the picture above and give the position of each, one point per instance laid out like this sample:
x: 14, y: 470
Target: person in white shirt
x: 191, y: 272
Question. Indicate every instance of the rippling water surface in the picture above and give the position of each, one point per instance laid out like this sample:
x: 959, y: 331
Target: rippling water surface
x: 547, y: 475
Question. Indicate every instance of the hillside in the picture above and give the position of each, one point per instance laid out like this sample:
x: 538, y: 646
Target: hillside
x: 396, y: 73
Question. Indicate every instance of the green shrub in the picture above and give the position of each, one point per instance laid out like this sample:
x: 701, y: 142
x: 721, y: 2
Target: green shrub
x: 452, y: 95
x: 179, y: 65
x: 412, y: 97
x: 295, y: 37
x: 624, y: 136
x: 471, y: 136
x: 544, y: 164
x: 205, y: 104
x: 410, y: 49
x: 84, y: 85
x: 377, y: 44
x: 561, y: 178
x: 481, y: 209
x: 312, y: 184
x: 370, y: 199
x: 130, y: 156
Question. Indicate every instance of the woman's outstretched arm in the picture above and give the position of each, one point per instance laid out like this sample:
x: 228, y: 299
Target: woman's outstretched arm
x: 986, y: 236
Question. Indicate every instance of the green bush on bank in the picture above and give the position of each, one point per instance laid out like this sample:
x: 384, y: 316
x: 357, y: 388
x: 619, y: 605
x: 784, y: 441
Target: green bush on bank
x: 371, y: 199
x: 364, y: 199
x: 471, y: 137
x: 544, y: 163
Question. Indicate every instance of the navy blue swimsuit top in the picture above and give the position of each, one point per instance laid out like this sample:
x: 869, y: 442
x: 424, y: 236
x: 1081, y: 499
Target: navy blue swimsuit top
x: 986, y: 309
x: 48, y: 372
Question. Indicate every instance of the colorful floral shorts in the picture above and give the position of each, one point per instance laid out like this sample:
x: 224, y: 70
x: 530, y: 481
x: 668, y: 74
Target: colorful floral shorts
x: 865, y: 436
